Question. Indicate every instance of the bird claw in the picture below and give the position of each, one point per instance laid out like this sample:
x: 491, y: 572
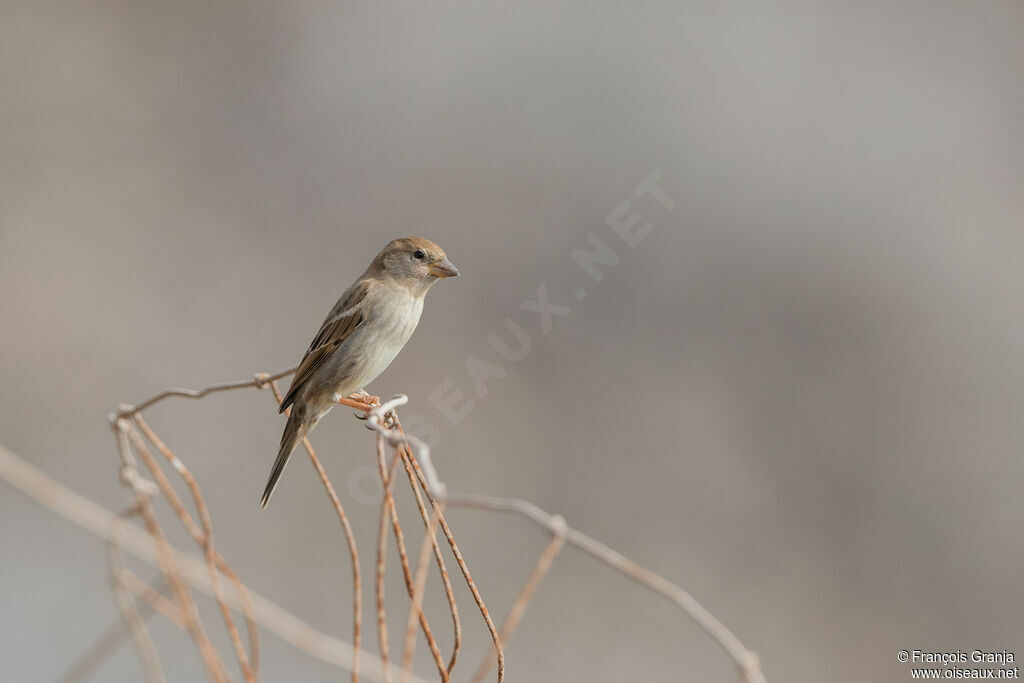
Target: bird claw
x: 362, y: 402
x: 363, y: 397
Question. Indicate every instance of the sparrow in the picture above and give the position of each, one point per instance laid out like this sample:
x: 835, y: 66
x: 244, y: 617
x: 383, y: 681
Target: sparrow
x: 360, y: 337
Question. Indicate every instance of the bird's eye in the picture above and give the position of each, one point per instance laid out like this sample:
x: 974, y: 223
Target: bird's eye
x: 418, y: 254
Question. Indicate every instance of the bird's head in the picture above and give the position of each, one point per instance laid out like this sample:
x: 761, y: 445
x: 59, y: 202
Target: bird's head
x: 414, y: 261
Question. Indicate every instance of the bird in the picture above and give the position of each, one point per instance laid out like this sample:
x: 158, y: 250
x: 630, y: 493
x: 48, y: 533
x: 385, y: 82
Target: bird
x: 359, y: 338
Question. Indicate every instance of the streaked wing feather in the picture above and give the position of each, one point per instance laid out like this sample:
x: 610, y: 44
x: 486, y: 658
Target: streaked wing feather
x: 343, y: 319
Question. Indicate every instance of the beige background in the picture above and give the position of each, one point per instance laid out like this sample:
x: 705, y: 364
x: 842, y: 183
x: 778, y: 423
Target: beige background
x: 800, y: 397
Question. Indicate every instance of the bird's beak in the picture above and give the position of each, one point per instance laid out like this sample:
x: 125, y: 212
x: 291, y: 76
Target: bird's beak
x: 444, y: 268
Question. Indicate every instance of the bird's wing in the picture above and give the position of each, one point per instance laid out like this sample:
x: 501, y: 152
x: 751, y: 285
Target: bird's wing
x: 344, y: 318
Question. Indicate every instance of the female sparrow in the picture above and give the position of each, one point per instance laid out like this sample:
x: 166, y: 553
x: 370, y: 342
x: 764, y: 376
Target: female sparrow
x: 362, y: 334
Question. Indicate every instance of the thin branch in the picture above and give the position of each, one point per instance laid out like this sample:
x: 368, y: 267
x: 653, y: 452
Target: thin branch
x: 111, y: 638
x: 204, y: 539
x: 163, y: 485
x: 377, y: 420
x: 168, y: 565
x: 403, y: 558
x: 133, y: 618
x: 258, y: 381
x: 357, y: 585
x: 498, y: 649
x: 152, y: 597
x: 508, y: 628
x: 416, y: 604
x: 432, y: 486
x: 387, y: 478
x: 418, y: 454
x: 102, y: 523
x: 431, y: 536
x: 745, y: 660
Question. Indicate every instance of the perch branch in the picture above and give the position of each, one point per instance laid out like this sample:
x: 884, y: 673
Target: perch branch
x: 431, y: 537
x: 403, y: 558
x: 258, y: 381
x: 357, y: 586
x: 304, y: 637
x: 387, y: 477
x: 434, y: 489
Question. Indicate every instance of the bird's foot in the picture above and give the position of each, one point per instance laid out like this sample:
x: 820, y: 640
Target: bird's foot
x: 366, y: 398
x: 361, y: 401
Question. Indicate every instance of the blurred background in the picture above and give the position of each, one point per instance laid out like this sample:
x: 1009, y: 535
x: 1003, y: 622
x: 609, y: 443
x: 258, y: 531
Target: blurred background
x: 799, y: 397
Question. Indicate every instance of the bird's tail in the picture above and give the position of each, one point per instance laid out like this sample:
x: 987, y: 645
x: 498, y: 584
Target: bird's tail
x: 294, y: 430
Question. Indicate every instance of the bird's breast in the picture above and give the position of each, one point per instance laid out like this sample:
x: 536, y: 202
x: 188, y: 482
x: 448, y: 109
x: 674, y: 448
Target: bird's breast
x: 383, y: 336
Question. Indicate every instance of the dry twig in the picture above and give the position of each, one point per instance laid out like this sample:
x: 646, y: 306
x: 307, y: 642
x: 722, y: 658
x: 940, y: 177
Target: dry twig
x: 182, y: 572
x: 357, y: 585
x: 403, y: 557
x: 167, y: 560
x: 432, y: 485
x: 544, y: 563
x: 132, y: 617
x: 100, y: 522
x: 416, y: 603
x: 204, y: 538
x: 387, y: 476
x: 745, y: 660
